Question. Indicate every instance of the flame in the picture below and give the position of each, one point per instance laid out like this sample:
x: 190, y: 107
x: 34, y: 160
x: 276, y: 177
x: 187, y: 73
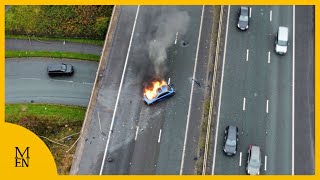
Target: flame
x: 151, y: 92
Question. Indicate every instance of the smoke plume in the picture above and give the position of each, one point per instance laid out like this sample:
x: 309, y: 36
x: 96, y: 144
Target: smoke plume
x: 166, y: 27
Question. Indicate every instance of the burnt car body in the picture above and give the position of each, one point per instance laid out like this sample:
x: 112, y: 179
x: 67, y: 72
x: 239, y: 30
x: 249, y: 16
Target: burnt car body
x: 57, y: 69
x: 163, y: 93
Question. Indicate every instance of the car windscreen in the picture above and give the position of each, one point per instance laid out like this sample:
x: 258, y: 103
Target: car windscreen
x: 63, y: 67
x: 254, y: 163
x: 282, y: 43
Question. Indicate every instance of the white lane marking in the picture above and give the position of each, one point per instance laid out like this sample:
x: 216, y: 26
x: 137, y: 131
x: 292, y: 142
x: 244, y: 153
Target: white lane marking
x: 218, y: 116
x: 247, y: 55
x: 61, y: 80
x: 191, y: 95
x: 269, y: 57
x: 159, y: 138
x: 244, y: 104
x: 250, y: 12
x: 136, y: 136
x: 270, y: 15
x: 169, y: 81
x: 117, y: 101
x: 31, y: 78
x: 240, y: 158
x: 175, y: 41
x: 99, y: 122
x: 293, y: 69
x: 267, y: 107
x: 265, y: 163
x: 87, y: 83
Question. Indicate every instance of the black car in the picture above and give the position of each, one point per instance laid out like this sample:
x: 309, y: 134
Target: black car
x: 230, y: 140
x: 243, y: 20
x: 60, y: 69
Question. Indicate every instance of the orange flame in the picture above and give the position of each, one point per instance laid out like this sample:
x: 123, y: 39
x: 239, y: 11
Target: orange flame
x: 151, y: 92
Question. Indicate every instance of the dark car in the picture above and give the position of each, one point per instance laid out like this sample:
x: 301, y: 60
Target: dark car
x: 60, y: 69
x: 254, y: 160
x: 163, y: 92
x: 230, y: 140
x: 243, y: 20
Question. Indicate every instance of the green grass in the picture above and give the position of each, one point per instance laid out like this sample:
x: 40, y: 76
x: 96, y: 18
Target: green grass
x: 61, y: 113
x: 54, y: 122
x: 84, y: 41
x: 51, y: 54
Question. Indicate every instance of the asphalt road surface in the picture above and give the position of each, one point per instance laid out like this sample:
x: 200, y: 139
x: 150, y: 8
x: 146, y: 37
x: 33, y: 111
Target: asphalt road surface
x: 145, y: 139
x: 27, y: 80
x: 304, y: 91
x: 256, y: 93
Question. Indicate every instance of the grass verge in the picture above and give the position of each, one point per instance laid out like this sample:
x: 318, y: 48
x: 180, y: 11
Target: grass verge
x: 52, y: 54
x: 83, y: 41
x: 58, y: 123
x: 204, y: 123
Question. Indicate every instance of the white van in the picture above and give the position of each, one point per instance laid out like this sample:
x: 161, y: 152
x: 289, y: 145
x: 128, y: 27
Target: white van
x: 282, y: 40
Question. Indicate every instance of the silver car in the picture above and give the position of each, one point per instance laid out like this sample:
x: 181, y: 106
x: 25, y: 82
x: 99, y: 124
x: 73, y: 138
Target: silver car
x: 254, y: 160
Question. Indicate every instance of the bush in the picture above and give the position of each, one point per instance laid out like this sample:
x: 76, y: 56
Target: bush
x: 88, y: 22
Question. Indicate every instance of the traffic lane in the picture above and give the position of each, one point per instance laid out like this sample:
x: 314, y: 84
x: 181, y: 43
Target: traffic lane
x: 44, y: 91
x: 90, y: 159
x: 232, y: 95
x: 27, y: 80
x: 132, y: 86
x: 192, y: 152
x: 135, y: 87
x: 28, y: 68
x: 256, y: 89
x: 279, y: 122
x: 181, y: 63
x: 61, y: 46
x: 304, y: 91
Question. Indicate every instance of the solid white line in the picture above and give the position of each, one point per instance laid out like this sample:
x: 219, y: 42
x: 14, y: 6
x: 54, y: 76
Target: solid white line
x: 267, y: 107
x: 31, y: 78
x: 99, y: 122
x: 269, y: 57
x: 270, y: 15
x: 250, y: 12
x: 135, y: 138
x: 218, y: 116
x: 117, y: 101
x: 240, y: 158
x: 175, y: 41
x: 247, y: 55
x: 191, y: 95
x: 265, y: 163
x: 169, y: 81
x: 61, y: 80
x: 293, y: 69
x: 159, y: 136
x: 244, y: 104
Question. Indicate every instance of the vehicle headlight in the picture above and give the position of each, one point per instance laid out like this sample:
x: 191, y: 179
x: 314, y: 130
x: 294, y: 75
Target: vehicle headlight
x: 235, y: 152
x: 247, y: 26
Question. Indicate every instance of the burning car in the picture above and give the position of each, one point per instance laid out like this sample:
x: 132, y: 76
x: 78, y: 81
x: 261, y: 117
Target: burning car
x: 159, y: 91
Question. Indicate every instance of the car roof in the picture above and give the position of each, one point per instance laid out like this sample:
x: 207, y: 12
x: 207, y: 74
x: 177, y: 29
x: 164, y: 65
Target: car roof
x: 255, y: 152
x: 283, y: 33
x: 232, y: 132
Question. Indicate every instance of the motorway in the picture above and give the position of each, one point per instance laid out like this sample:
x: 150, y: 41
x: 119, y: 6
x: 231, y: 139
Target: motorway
x: 157, y: 139
x: 257, y: 92
x: 27, y: 80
